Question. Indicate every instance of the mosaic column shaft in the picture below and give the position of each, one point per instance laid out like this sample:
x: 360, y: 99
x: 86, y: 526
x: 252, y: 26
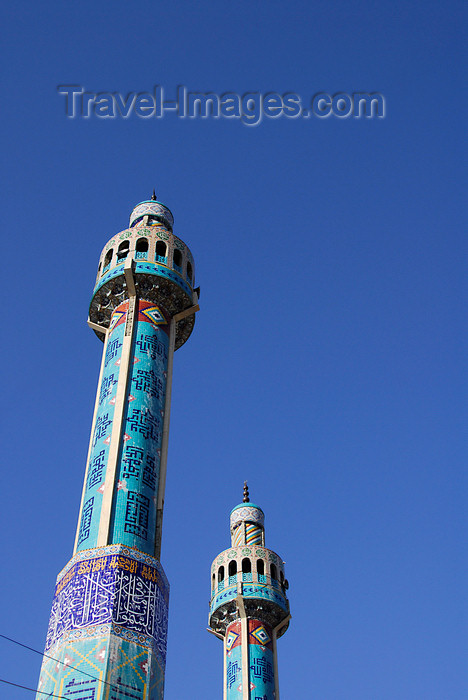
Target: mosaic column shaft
x: 120, y: 498
x: 108, y: 625
x: 248, y: 648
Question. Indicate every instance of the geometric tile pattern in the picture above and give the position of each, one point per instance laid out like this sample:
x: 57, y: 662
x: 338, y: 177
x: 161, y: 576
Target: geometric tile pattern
x: 260, y: 635
x: 153, y: 314
x: 231, y: 638
x: 253, y: 534
x: 261, y: 667
x: 238, y: 536
x: 102, y: 668
x: 247, y: 513
x: 152, y: 208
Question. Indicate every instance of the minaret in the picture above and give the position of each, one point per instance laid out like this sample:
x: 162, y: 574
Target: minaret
x: 249, y: 609
x: 108, y: 625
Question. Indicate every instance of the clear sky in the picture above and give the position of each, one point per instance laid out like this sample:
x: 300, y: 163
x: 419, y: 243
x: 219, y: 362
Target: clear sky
x: 326, y: 362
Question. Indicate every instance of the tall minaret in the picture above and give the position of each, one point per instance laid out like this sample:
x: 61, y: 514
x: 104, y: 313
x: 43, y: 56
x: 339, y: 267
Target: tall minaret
x: 108, y: 625
x: 249, y: 609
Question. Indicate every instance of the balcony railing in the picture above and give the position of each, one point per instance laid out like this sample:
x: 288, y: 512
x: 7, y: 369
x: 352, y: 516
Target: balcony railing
x: 141, y: 255
x: 177, y: 268
x: 104, y: 269
x: 247, y: 578
x: 161, y: 259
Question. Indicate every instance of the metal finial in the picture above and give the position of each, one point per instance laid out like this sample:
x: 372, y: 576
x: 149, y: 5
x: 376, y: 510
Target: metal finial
x: 153, y: 198
x: 246, y: 493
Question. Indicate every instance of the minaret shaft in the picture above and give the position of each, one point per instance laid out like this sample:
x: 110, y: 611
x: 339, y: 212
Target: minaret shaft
x: 120, y: 501
x: 250, y: 661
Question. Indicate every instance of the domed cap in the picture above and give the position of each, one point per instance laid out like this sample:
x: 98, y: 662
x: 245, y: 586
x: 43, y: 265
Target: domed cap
x: 151, y: 207
x: 246, y: 512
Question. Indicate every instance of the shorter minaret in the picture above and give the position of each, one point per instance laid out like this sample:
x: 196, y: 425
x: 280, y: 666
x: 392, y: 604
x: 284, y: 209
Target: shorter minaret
x: 249, y: 609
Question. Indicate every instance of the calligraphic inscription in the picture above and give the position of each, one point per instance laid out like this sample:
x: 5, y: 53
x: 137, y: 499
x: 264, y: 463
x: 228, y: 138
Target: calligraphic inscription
x: 148, y: 381
x: 151, y: 346
x: 132, y: 465
x: 233, y: 672
x: 102, y: 428
x: 136, y: 515
x: 86, y: 688
x: 107, y: 386
x: 113, y: 588
x: 86, y: 516
x: 134, y: 508
x: 144, y: 422
x: 99, y: 452
x: 113, y: 350
x: 96, y: 469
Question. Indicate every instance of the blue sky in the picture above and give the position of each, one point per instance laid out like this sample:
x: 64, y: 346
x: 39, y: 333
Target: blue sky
x: 327, y: 361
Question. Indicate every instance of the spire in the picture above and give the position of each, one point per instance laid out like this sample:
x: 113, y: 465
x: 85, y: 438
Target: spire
x: 153, y: 198
x: 246, y: 493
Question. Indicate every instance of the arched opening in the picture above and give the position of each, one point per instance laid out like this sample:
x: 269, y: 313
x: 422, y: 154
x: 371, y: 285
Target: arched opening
x: 154, y: 220
x: 232, y: 570
x: 141, y: 249
x: 213, y: 582
x: 220, y: 577
x: 260, y: 567
x: 99, y: 270
x: 123, y: 251
x: 246, y: 570
x: 107, y: 260
x: 273, y: 573
x: 189, y: 271
x: 177, y: 259
x: 142, y: 245
x: 161, y: 252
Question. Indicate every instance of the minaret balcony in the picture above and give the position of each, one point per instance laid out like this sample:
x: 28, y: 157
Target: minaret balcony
x: 227, y: 591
